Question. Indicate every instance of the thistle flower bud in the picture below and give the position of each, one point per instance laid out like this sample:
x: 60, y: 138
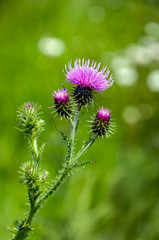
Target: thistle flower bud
x: 32, y: 178
x: 30, y: 121
x: 62, y: 103
x: 101, y: 123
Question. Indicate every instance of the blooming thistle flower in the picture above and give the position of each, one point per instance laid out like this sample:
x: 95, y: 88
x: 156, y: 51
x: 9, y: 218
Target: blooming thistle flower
x: 87, y: 79
x: 62, y: 103
x: 101, y: 125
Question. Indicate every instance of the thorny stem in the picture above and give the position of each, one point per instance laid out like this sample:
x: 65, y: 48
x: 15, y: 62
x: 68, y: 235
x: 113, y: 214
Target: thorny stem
x: 25, y: 226
x: 73, y: 132
x: 35, y: 147
x: 53, y: 187
x: 84, y: 149
x: 32, y: 212
x: 35, y: 152
x: 66, y: 170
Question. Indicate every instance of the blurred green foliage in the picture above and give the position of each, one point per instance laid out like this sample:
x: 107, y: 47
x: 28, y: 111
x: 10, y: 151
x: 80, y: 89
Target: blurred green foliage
x: 117, y: 198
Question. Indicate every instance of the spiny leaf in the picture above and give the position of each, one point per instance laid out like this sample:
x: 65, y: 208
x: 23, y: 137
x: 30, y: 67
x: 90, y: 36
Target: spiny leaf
x: 64, y: 136
x: 82, y: 164
x: 69, y: 144
x: 41, y: 150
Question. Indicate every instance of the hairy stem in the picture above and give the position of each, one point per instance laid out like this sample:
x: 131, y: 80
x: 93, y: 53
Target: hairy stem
x: 37, y: 200
x: 72, y: 134
x: 34, y: 147
x: 25, y: 226
x: 84, y: 149
x: 65, y: 172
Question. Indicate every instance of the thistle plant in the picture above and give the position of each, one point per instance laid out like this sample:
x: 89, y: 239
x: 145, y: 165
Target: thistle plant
x: 86, y: 81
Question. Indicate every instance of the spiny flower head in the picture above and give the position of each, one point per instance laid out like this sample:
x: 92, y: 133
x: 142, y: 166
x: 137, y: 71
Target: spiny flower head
x: 101, y: 124
x: 62, y: 103
x: 30, y: 120
x: 86, y: 78
x: 32, y: 176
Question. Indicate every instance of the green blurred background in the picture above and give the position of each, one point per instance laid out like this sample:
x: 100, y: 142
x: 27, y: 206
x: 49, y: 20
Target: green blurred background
x: 118, y: 197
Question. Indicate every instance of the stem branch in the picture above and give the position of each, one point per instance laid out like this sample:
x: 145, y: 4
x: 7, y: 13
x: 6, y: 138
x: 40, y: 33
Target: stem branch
x: 82, y: 150
x: 73, y: 132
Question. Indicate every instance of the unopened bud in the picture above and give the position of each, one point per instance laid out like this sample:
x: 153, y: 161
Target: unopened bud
x: 101, y: 122
x: 62, y: 103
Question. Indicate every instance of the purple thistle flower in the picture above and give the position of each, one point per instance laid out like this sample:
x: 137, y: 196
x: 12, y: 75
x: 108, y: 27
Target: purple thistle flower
x: 87, y: 79
x: 103, y: 114
x: 62, y: 103
x: 61, y: 96
x: 86, y: 75
x: 101, y: 123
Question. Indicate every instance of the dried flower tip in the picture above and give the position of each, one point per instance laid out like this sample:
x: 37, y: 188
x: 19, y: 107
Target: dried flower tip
x: 28, y: 105
x: 44, y: 176
x: 62, y: 103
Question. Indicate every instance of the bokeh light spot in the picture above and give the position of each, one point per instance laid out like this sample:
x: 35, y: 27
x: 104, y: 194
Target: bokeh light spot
x: 131, y: 115
x: 152, y: 28
x: 126, y: 76
x: 138, y: 54
x: 153, y: 81
x: 120, y: 61
x: 52, y: 47
x: 146, y: 111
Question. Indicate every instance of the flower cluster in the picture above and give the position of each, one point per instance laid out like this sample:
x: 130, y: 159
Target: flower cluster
x: 87, y: 79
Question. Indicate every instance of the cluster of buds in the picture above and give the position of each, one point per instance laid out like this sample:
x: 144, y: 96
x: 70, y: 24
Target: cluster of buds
x: 86, y: 81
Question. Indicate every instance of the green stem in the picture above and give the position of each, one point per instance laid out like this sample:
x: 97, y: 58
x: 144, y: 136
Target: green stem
x: 35, y: 152
x: 54, y: 186
x: 73, y: 132
x: 35, y: 147
x: 25, y: 226
x: 83, y: 150
x: 31, y: 213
